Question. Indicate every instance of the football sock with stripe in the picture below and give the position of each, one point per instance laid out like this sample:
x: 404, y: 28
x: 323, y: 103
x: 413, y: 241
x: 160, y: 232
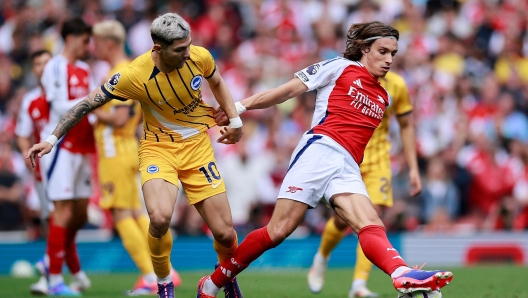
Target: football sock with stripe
x: 135, y: 244
x: 225, y: 252
x: 378, y: 249
x: 253, y: 246
x: 363, y: 266
x: 330, y: 238
x: 160, y: 249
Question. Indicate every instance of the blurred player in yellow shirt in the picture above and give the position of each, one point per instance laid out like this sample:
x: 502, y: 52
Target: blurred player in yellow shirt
x: 175, y: 146
x: 376, y: 173
x: 117, y: 146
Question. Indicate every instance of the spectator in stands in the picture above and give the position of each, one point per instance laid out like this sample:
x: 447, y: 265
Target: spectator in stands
x: 440, y: 195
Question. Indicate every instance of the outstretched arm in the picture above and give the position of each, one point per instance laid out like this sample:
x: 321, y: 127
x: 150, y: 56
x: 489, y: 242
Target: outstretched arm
x: 275, y: 96
x: 95, y: 99
x: 264, y: 99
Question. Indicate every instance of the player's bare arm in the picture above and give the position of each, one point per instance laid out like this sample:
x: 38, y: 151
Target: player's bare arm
x: 232, y: 134
x: 265, y: 99
x: 94, y: 100
x: 275, y: 96
x: 409, y: 149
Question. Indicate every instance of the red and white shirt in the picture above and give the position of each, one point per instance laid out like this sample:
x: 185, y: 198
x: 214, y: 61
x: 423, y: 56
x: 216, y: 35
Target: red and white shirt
x: 349, y: 105
x: 66, y: 84
x: 33, y: 116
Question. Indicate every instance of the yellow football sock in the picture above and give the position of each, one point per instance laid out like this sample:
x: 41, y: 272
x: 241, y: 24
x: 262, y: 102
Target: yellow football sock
x: 143, y: 221
x: 135, y: 243
x: 363, y: 265
x: 330, y: 238
x: 160, y: 249
x: 225, y: 252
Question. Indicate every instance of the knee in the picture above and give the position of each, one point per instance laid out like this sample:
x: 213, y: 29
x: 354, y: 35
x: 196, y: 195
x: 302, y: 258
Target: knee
x: 225, y: 236
x: 159, y: 220
x: 63, y: 217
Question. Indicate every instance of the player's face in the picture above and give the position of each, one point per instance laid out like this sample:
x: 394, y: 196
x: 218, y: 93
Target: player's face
x: 177, y: 53
x: 380, y: 57
x: 100, y: 47
x: 81, y: 45
x: 39, y: 63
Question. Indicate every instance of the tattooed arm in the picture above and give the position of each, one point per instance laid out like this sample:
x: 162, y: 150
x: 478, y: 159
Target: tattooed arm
x: 94, y: 100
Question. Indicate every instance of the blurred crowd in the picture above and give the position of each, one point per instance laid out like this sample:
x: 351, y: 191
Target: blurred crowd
x: 465, y: 64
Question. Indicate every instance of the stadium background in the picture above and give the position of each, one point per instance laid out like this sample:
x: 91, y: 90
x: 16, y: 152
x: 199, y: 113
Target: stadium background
x: 466, y: 67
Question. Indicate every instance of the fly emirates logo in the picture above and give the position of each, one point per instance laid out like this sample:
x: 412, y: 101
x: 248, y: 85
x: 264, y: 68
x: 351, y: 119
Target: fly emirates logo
x: 362, y: 102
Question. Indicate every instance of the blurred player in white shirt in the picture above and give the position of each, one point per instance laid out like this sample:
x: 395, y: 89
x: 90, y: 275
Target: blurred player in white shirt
x: 33, y: 116
x: 67, y: 170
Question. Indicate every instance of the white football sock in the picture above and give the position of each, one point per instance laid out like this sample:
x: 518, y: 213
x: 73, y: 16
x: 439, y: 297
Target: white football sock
x: 80, y: 275
x: 165, y: 280
x: 319, y: 258
x: 210, y: 288
x: 359, y: 283
x: 55, y: 279
x: 399, y: 271
x: 149, y: 277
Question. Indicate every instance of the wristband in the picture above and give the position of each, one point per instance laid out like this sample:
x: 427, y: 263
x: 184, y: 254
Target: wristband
x: 235, y: 122
x: 52, y: 139
x: 240, y: 108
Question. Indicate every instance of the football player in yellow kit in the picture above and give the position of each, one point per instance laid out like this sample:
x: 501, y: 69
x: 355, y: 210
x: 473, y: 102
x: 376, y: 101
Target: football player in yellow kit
x: 376, y: 172
x: 117, y: 146
x: 175, y: 146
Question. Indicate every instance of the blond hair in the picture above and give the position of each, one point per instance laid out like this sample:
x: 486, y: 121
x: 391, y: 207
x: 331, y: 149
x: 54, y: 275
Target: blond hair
x: 169, y: 27
x: 110, y: 29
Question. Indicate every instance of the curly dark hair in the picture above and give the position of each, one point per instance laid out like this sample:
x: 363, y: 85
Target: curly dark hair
x: 359, y: 32
x: 75, y: 26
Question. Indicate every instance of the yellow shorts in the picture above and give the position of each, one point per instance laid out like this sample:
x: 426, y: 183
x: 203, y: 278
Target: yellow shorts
x: 118, y: 182
x: 379, y: 187
x: 192, y: 162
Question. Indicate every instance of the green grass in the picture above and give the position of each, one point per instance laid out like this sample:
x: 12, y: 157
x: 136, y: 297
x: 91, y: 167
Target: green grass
x: 481, y: 282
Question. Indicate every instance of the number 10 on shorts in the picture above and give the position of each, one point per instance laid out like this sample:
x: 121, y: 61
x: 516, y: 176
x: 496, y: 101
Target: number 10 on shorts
x: 210, y: 171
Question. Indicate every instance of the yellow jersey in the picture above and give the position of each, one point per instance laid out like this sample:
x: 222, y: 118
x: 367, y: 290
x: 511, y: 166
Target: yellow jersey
x: 377, y: 155
x: 173, y: 109
x: 113, y: 141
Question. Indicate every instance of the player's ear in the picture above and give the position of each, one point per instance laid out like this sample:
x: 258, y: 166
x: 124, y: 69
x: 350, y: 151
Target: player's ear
x: 365, y: 49
x: 157, y: 48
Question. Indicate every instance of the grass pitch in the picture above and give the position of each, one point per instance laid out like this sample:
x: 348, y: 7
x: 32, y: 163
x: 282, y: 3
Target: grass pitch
x: 481, y: 282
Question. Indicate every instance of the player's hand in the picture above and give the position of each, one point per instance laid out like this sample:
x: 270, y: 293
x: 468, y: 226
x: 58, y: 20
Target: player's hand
x: 220, y: 117
x: 416, y: 182
x: 230, y: 135
x: 38, y: 149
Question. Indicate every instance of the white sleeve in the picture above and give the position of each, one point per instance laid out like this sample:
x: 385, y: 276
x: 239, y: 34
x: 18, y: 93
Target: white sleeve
x: 318, y: 75
x: 55, y: 83
x: 62, y: 107
x: 92, y: 85
x: 24, y: 124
